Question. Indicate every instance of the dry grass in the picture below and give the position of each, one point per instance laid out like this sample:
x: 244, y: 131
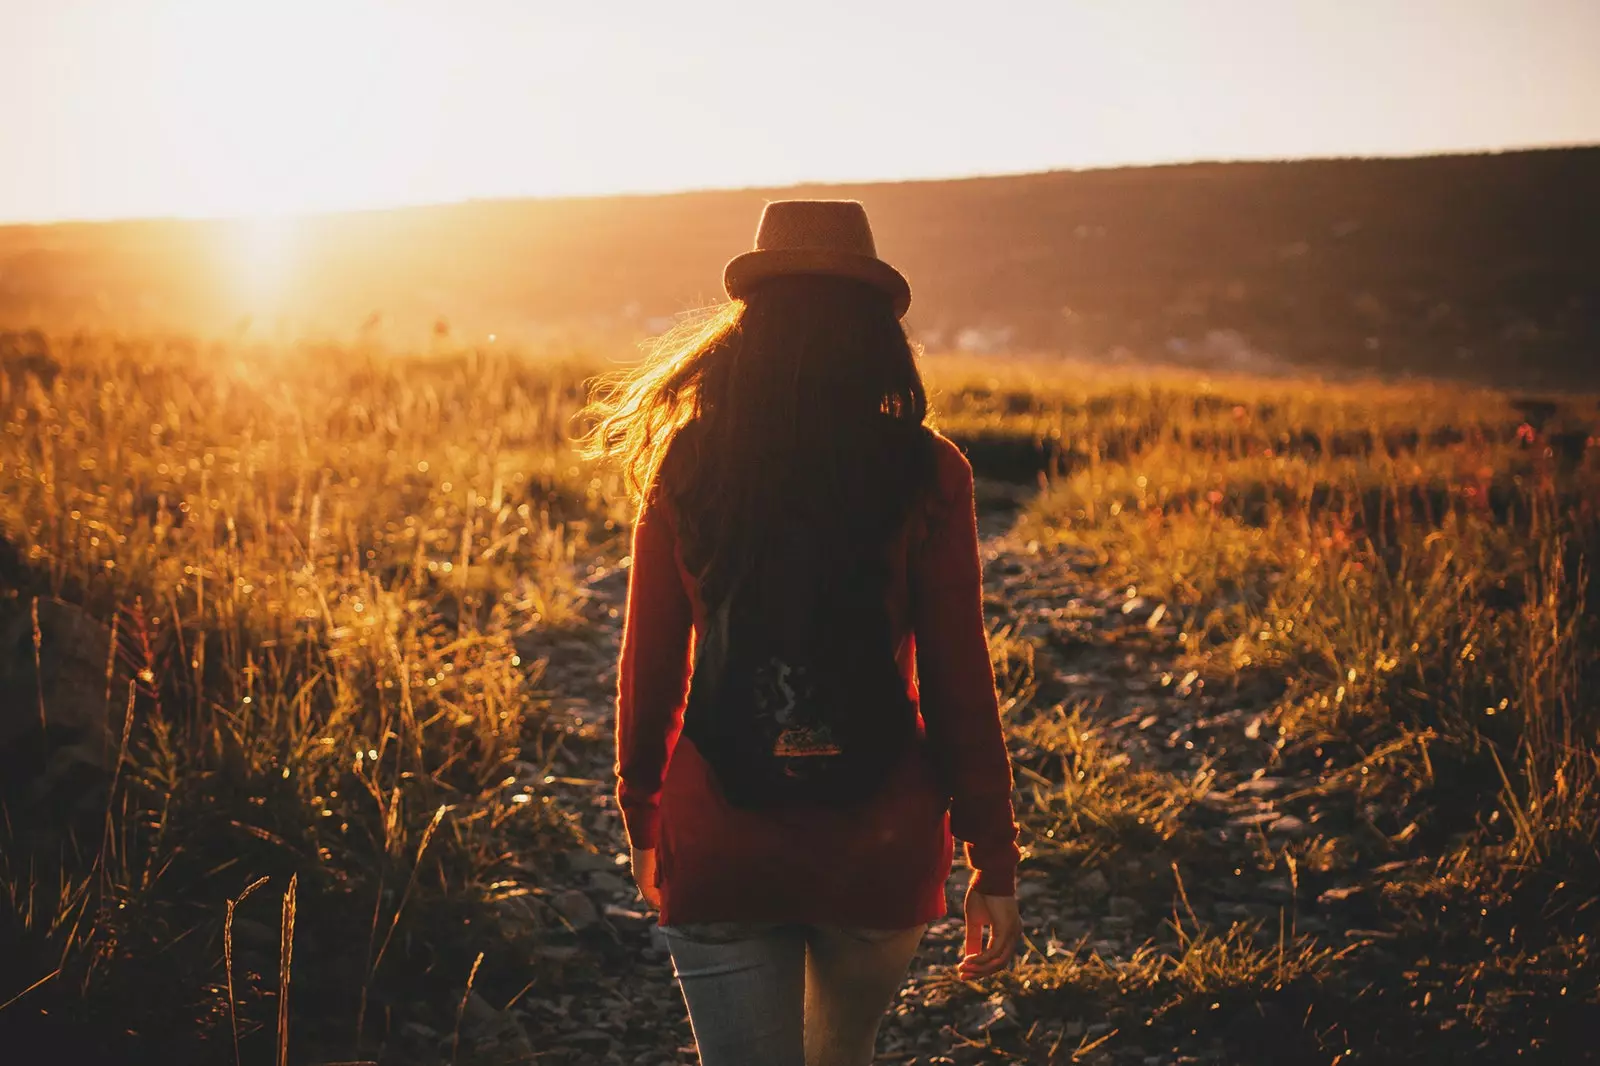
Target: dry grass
x: 1093, y: 802
x: 324, y: 570
x: 320, y: 564
x: 1400, y: 580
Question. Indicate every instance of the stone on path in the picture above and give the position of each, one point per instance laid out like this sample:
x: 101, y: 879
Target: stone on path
x: 1093, y: 885
x: 82, y: 727
x: 576, y: 907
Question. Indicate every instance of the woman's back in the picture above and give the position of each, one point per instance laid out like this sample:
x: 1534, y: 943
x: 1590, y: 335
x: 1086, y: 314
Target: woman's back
x: 878, y: 863
x: 806, y: 710
x: 797, y: 696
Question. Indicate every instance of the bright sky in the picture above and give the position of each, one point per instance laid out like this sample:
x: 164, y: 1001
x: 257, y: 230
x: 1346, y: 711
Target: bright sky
x: 206, y: 107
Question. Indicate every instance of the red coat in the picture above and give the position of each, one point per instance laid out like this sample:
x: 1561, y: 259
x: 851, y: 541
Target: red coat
x: 883, y: 865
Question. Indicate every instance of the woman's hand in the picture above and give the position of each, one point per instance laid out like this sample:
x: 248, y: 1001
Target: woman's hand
x: 644, y: 875
x: 1000, y: 916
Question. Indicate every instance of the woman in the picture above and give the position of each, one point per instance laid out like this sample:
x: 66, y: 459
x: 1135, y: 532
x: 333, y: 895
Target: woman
x: 803, y: 537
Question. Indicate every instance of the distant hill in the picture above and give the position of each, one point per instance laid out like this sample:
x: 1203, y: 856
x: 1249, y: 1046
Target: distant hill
x: 1484, y: 266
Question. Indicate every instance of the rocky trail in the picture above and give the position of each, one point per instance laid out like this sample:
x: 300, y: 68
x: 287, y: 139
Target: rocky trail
x: 608, y: 996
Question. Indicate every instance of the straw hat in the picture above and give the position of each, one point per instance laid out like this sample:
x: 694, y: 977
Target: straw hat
x: 815, y: 237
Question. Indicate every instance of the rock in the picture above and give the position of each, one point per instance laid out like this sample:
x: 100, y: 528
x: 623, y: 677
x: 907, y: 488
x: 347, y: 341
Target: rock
x: 1093, y: 885
x: 611, y: 884
x: 557, y: 952
x: 1072, y: 929
x: 1288, y: 825
x: 520, y: 917
x: 658, y: 939
x: 592, y: 862
x: 248, y: 932
x: 1031, y: 888
x: 1125, y: 907
x: 576, y: 907
x: 82, y: 727
x: 418, y: 1033
x: 590, y: 1037
x: 496, y: 1036
x: 508, y: 1047
x: 477, y: 1013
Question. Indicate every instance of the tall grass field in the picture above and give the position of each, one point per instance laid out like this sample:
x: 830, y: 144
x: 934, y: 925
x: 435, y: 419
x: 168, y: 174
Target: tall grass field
x: 305, y: 669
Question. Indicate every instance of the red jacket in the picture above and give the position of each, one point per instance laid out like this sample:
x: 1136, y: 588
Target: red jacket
x: 883, y: 865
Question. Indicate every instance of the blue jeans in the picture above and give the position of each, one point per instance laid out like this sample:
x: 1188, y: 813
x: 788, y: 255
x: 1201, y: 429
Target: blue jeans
x: 768, y: 994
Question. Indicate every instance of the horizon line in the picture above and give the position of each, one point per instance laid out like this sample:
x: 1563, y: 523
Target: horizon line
x: 923, y: 179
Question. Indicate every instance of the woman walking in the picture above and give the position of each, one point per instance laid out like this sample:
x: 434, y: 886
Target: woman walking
x: 806, y: 709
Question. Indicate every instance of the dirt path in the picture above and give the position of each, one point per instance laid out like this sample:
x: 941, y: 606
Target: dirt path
x: 611, y: 998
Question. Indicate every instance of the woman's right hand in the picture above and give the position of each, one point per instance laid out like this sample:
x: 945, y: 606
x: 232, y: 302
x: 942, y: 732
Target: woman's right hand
x: 1000, y: 916
x: 644, y: 875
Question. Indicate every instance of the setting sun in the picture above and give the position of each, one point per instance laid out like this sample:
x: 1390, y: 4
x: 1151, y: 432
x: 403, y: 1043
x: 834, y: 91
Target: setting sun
x: 261, y: 253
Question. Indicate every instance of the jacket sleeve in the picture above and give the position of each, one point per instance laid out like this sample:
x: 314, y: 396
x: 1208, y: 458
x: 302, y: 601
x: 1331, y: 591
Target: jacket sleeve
x: 956, y: 680
x: 653, y: 672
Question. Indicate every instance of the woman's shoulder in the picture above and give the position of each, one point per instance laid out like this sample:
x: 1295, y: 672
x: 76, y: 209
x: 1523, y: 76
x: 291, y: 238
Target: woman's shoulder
x: 948, y: 493
x: 941, y: 468
x: 953, y: 471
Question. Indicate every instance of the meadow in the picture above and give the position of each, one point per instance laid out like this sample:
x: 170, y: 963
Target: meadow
x: 304, y: 714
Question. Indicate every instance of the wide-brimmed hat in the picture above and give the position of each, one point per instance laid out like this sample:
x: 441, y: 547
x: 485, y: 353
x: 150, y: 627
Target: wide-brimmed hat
x: 815, y: 237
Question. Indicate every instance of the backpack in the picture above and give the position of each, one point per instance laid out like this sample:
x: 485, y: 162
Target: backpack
x: 796, y: 697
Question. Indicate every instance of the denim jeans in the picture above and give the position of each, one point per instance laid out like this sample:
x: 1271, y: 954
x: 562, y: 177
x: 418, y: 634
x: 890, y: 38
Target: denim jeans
x: 767, y: 994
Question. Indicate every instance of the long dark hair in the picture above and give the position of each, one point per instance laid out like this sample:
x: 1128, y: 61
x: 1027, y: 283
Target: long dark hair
x: 798, y: 409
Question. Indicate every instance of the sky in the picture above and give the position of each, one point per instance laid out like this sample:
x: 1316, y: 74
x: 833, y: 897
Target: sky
x: 126, y: 108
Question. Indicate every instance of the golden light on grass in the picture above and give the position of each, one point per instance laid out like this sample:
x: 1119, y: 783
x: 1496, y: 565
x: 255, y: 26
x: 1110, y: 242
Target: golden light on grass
x: 285, y: 966
x: 227, y: 960
x: 1328, y: 586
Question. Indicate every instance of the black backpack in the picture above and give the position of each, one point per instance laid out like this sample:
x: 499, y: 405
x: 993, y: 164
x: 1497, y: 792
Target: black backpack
x: 796, y: 697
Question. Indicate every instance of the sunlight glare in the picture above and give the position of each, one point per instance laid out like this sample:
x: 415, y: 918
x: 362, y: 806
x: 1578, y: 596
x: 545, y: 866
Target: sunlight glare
x: 302, y: 106
x: 262, y: 250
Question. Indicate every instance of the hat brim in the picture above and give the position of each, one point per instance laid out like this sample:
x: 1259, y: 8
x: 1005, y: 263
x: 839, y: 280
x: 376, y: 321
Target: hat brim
x: 745, y: 272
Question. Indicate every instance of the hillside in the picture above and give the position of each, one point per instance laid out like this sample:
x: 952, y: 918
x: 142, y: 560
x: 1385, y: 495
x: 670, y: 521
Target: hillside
x: 1482, y: 267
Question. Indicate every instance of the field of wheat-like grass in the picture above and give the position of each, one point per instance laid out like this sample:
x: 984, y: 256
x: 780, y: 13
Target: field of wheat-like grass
x: 304, y: 725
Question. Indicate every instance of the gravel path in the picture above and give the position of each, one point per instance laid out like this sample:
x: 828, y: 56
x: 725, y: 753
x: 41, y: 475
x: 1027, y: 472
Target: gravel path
x: 609, y: 996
